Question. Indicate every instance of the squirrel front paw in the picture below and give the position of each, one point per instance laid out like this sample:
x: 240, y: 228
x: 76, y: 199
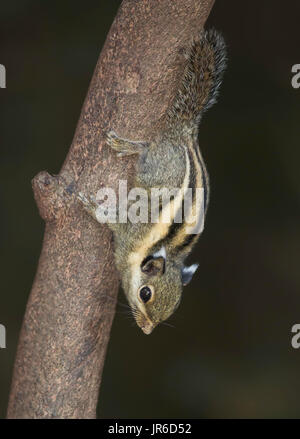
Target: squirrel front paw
x: 89, y: 203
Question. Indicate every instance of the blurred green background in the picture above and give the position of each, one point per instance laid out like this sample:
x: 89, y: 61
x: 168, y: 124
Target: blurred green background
x: 229, y: 353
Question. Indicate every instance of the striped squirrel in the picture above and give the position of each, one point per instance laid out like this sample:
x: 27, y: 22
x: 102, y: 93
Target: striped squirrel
x: 150, y: 256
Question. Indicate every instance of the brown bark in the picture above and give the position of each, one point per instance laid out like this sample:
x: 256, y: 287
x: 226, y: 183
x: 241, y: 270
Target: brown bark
x: 69, y: 314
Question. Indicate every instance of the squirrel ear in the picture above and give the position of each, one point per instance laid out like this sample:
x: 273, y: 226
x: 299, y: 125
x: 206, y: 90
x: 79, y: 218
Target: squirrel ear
x: 156, y: 263
x: 153, y: 266
x: 187, y: 273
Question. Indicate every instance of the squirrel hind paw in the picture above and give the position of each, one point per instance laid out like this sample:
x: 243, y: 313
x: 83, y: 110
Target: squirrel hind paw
x: 116, y: 143
x: 124, y: 147
x: 111, y: 137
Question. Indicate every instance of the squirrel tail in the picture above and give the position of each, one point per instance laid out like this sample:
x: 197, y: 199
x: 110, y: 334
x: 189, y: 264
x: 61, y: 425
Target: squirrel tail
x: 206, y: 62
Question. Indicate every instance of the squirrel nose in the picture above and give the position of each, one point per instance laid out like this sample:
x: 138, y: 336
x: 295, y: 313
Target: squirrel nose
x: 147, y: 328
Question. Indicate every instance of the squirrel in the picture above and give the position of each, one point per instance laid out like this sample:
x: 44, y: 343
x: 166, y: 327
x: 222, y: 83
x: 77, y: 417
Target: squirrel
x: 150, y: 256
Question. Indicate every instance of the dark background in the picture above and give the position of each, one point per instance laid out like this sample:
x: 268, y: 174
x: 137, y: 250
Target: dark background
x: 229, y: 353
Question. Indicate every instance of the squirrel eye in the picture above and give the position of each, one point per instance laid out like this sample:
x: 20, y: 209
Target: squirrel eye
x: 145, y: 294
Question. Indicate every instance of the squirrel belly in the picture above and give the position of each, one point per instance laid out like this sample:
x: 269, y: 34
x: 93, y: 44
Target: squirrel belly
x: 150, y: 256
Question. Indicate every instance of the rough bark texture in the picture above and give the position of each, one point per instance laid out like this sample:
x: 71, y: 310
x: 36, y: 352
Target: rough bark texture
x: 72, y: 303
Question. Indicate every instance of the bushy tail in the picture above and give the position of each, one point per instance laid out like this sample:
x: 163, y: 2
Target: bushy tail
x: 206, y: 62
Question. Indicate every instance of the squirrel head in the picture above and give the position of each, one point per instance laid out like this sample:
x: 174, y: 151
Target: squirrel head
x: 156, y: 291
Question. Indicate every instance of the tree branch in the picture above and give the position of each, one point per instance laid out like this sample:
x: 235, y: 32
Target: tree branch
x: 69, y: 314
